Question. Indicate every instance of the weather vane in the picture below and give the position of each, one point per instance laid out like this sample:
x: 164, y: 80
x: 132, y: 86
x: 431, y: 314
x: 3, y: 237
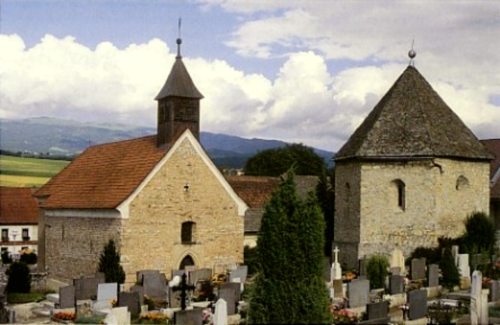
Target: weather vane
x: 179, y: 40
x: 412, y: 54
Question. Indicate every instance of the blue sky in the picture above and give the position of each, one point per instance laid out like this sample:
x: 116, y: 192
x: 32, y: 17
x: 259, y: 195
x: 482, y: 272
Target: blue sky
x: 302, y: 71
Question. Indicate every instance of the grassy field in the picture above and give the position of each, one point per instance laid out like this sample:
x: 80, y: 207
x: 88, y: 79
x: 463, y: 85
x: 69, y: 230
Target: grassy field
x: 28, y: 172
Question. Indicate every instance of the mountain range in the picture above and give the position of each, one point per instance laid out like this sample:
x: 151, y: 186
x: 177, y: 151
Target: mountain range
x: 62, y: 137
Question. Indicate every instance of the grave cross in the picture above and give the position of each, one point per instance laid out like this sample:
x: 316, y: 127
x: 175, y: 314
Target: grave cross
x: 183, y: 288
x: 336, y: 251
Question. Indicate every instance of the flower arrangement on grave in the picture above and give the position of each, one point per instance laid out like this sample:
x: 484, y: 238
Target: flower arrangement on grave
x: 64, y: 316
x: 154, y: 318
x: 207, y: 317
x: 113, y: 303
x: 343, y: 316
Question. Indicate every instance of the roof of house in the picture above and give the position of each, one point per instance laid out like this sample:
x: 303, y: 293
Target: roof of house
x: 17, y: 206
x: 412, y: 121
x: 179, y: 83
x: 103, y: 176
x: 493, y: 146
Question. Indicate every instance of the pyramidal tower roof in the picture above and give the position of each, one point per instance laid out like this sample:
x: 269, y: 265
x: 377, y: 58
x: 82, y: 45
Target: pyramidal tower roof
x: 179, y: 82
x: 412, y: 121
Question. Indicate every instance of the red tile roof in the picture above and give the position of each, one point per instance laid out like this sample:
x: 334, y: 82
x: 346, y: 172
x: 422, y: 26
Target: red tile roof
x: 493, y: 146
x: 254, y: 190
x: 17, y: 206
x: 103, y: 176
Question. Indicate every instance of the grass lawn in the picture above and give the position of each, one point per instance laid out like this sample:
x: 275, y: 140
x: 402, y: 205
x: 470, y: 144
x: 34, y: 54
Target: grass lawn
x: 27, y: 172
x: 22, y: 298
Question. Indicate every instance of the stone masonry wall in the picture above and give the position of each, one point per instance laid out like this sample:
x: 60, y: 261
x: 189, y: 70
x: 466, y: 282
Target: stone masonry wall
x: 151, y: 236
x: 74, y: 244
x: 434, y: 206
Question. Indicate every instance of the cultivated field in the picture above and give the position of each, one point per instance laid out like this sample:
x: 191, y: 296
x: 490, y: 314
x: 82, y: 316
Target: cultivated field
x: 28, y: 172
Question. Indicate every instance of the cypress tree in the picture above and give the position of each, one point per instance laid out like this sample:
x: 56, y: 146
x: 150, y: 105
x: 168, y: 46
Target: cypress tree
x: 289, y: 287
x: 109, y: 264
x: 451, y: 277
x: 325, y: 192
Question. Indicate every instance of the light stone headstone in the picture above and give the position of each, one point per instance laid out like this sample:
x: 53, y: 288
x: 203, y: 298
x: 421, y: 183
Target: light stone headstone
x: 397, y: 259
x: 199, y: 275
x: 358, y: 293
x: 230, y: 292
x: 107, y: 291
x: 484, y: 307
x: 118, y: 316
x: 240, y: 272
x: 418, y: 268
x: 336, y: 271
x: 417, y: 303
x: 220, y: 315
x: 476, y: 298
x: 463, y: 265
x: 338, y: 289
x: 67, y: 297
x: 189, y: 317
x: 433, y: 275
x: 454, y: 253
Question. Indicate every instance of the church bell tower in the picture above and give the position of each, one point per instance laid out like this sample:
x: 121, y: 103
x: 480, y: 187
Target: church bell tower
x: 178, y: 104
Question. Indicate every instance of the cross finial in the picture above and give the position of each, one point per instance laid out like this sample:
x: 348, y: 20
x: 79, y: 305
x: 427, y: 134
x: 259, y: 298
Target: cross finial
x: 179, y: 40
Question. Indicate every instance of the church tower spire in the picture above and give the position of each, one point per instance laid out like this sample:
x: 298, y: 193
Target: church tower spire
x: 178, y: 103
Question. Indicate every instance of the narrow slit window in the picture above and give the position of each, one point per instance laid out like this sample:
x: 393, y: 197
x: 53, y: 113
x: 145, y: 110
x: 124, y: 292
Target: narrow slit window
x: 401, y: 192
x: 187, y: 232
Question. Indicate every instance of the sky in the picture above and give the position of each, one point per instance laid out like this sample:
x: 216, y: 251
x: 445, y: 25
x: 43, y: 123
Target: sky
x: 305, y: 71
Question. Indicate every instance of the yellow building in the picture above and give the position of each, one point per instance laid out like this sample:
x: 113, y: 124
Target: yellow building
x: 408, y: 175
x: 160, y: 198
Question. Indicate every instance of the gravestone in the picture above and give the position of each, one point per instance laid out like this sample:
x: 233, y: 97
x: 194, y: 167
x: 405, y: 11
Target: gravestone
x: 220, y: 315
x: 463, y: 265
x: 174, y: 298
x: 475, y: 298
x: 67, y: 297
x: 338, y: 289
x: 378, y: 311
x: 118, y: 315
x: 494, y: 290
x: 141, y: 273
x: 107, y: 291
x: 418, y: 268
x: 183, y: 287
x: 130, y: 300
x: 397, y: 259
x: 230, y: 292
x: 395, y: 270
x: 155, y: 285
x: 454, y: 253
x: 433, y: 275
x: 396, y: 284
x: 86, y: 288
x: 199, y: 275
x: 177, y: 272
x: 240, y: 272
x: 140, y: 291
x: 362, y: 266
x: 336, y: 271
x: 358, y: 291
x: 189, y: 317
x: 417, y: 303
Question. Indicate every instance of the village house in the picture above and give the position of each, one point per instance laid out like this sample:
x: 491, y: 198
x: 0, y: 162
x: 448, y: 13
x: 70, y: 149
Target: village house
x: 18, y: 220
x: 493, y: 146
x: 160, y: 198
x: 410, y: 173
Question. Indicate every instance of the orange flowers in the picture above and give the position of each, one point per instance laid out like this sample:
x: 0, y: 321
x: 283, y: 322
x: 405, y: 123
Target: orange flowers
x: 64, y: 315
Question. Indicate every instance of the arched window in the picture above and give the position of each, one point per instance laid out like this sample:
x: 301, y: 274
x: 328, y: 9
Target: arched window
x: 400, y: 185
x: 186, y: 261
x: 187, y: 232
x: 462, y: 183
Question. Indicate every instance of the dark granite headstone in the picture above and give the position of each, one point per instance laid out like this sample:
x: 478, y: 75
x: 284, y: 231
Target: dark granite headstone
x: 396, y: 284
x: 141, y: 273
x: 417, y: 303
x: 140, y: 291
x: 130, y: 300
x: 240, y: 272
x: 189, y: 317
x: 230, y: 292
x: 358, y: 292
x: 433, y: 275
x: 418, y: 268
x: 494, y: 290
x: 155, y: 285
x: 378, y: 310
x: 67, y: 297
x: 199, y: 275
x: 86, y: 288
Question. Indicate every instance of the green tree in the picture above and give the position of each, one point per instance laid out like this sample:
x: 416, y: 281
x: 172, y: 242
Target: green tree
x: 19, y: 278
x: 109, y: 264
x: 289, y: 287
x: 451, y: 277
x: 376, y: 269
x: 479, y: 233
x: 325, y: 192
x: 276, y: 162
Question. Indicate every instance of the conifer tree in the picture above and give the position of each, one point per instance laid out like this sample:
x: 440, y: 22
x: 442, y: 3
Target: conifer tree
x: 289, y: 287
x: 325, y: 192
x: 451, y: 277
x: 109, y: 264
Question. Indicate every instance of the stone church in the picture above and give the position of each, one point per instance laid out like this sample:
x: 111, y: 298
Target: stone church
x: 160, y: 198
x: 410, y: 173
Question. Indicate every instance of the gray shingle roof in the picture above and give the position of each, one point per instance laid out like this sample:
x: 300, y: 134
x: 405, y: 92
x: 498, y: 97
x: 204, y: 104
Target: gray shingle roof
x: 412, y: 121
x: 179, y: 83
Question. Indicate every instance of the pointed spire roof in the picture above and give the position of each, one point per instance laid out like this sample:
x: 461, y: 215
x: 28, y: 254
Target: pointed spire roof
x: 412, y: 121
x: 179, y: 82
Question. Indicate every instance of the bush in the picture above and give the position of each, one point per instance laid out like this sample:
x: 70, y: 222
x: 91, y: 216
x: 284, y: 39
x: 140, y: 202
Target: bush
x: 432, y: 254
x: 23, y: 298
x: 451, y: 277
x: 6, y: 259
x: 28, y: 258
x: 109, y: 264
x: 250, y: 259
x: 376, y: 270
x: 479, y: 233
x: 19, y: 278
